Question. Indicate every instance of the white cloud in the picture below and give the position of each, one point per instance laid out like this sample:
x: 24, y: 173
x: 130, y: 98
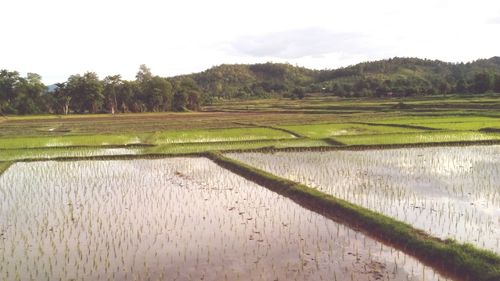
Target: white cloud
x: 293, y: 44
x: 57, y: 38
x: 494, y: 20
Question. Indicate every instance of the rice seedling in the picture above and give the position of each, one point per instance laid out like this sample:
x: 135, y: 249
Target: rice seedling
x: 69, y: 140
x: 229, y: 145
x: 449, y: 192
x: 218, y: 135
x: 426, y: 137
x: 344, y: 129
x: 177, y: 218
x: 48, y: 153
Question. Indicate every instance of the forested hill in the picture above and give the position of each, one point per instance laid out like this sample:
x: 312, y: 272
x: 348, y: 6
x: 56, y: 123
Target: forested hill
x: 255, y: 80
x: 412, y: 76
x: 397, y: 76
x: 148, y: 92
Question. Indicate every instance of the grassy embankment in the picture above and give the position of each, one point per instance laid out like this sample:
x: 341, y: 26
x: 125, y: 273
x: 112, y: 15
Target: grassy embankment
x: 4, y: 166
x: 461, y: 261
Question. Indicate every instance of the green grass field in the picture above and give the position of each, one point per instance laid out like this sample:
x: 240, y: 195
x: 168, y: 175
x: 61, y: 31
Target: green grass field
x: 320, y: 131
x: 422, y: 137
x: 235, y: 145
x: 68, y: 141
x: 217, y: 135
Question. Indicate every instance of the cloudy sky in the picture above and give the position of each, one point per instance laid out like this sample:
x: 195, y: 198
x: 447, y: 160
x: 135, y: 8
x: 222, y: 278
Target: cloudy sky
x: 57, y: 38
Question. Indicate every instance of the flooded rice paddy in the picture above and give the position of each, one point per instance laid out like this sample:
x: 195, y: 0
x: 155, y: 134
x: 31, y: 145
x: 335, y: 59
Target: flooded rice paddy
x: 450, y: 192
x: 174, y: 219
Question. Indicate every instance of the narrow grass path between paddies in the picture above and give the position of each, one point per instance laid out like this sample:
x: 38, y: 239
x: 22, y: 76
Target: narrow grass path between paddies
x: 459, y: 261
x: 355, y: 147
x: 4, y: 166
x: 407, y: 126
x: 293, y: 133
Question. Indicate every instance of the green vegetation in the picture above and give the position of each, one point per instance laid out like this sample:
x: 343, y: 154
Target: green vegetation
x: 88, y: 94
x: 464, y: 123
x: 274, y: 123
x: 315, y: 123
x: 51, y: 153
x: 462, y: 261
x: 236, y: 145
x: 422, y: 137
x: 396, y: 77
x: 4, y: 166
x: 217, y: 135
x: 400, y: 102
x: 69, y: 141
x: 341, y: 129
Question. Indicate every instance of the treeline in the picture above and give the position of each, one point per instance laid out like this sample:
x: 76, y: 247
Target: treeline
x: 88, y: 94
x: 392, y: 77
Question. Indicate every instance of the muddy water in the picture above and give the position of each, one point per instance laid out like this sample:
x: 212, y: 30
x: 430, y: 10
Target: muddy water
x: 174, y: 219
x: 448, y: 191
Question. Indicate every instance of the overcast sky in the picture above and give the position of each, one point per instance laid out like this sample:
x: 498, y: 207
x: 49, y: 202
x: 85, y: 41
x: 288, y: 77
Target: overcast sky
x: 58, y: 38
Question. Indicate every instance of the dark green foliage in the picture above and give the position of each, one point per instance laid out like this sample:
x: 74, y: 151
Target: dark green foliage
x: 21, y: 95
x: 180, y: 101
x: 482, y: 82
x: 406, y: 77
x: 299, y: 93
x: 193, y: 100
x: 86, y: 93
x: 253, y: 81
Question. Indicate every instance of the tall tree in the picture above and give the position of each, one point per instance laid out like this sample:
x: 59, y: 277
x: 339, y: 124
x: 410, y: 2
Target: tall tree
x: 158, y: 94
x: 180, y: 101
x: 62, y: 98
x: 193, y: 100
x: 482, y: 82
x: 8, y: 83
x: 92, y: 88
x: 86, y: 92
x: 144, y: 74
x: 127, y: 93
x: 110, y: 92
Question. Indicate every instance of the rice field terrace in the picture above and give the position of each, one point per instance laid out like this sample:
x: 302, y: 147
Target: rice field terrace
x: 315, y: 189
x: 178, y: 218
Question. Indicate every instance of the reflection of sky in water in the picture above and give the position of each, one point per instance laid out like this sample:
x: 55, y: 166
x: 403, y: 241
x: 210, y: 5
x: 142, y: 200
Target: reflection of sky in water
x: 179, y: 218
x: 447, y: 191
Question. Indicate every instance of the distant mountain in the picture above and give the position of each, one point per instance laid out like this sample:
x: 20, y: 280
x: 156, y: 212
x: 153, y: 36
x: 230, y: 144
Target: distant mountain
x: 395, y: 76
